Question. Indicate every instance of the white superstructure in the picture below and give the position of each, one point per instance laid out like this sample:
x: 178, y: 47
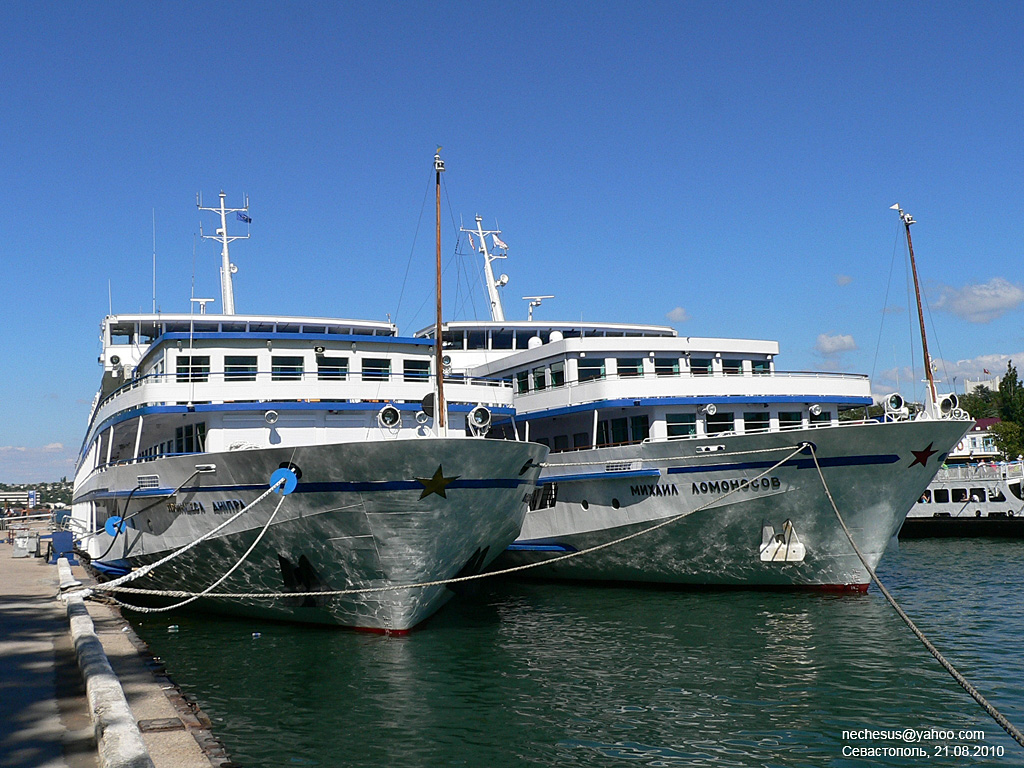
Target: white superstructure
x: 645, y: 425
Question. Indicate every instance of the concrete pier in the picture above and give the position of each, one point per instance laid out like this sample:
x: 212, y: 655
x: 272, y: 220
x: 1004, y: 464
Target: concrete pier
x: 59, y: 693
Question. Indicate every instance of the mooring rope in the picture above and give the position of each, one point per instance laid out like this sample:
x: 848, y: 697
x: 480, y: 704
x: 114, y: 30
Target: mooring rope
x: 472, y: 577
x: 996, y: 715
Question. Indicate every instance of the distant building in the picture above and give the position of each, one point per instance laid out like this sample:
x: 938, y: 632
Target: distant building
x: 992, y: 384
x: 15, y: 498
x: 977, y: 445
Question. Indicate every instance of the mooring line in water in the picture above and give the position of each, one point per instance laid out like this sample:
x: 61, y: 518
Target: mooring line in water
x: 460, y: 579
x: 975, y: 694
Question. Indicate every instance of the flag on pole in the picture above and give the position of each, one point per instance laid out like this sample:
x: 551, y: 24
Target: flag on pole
x: 986, y: 371
x: 243, y: 217
x: 498, y: 243
x: 471, y: 243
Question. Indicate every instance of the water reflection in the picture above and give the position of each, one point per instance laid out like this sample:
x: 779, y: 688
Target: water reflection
x: 555, y: 674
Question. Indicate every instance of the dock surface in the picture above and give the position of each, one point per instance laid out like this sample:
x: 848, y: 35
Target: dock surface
x: 45, y: 718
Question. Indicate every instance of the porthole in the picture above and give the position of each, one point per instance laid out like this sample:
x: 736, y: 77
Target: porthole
x: 615, y: 503
x: 585, y: 504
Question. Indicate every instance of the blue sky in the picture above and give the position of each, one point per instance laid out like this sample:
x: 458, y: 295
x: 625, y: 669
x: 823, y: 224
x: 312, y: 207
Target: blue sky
x: 724, y: 168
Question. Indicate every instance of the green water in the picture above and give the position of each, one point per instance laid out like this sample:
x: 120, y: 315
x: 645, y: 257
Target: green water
x: 551, y: 674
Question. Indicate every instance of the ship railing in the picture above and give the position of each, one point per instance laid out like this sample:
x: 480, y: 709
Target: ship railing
x: 985, y: 471
x: 206, y: 385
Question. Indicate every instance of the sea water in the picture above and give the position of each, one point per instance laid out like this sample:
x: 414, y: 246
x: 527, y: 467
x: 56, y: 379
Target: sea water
x: 555, y: 674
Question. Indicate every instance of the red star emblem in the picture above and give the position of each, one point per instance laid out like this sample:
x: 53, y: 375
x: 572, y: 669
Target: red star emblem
x: 921, y: 457
x: 435, y: 484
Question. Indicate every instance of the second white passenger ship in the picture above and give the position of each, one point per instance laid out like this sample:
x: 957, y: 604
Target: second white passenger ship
x: 664, y: 452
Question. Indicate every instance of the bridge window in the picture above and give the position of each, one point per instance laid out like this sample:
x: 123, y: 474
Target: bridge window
x: 193, y: 368
x: 822, y: 418
x: 790, y: 419
x: 376, y: 369
x: 538, y: 378
x: 720, y: 422
x: 631, y: 366
x: 761, y: 367
x: 557, y: 374
x: 700, y: 366
x: 666, y: 366
x: 681, y: 424
x: 755, y: 422
x: 240, y: 368
x: 331, y: 368
x: 285, y: 368
x: 416, y: 370
x: 522, y: 382
x: 640, y: 427
x: 732, y: 367
x: 590, y: 368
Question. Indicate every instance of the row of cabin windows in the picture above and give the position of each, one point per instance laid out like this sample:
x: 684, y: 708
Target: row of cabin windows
x: 592, y: 369
x: 509, y: 339
x: 189, y: 438
x: 961, y: 496
x: 196, y: 368
x: 637, y: 428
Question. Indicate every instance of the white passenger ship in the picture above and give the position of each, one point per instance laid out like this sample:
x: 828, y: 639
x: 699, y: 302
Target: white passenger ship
x: 389, y: 481
x: 646, y: 426
x: 970, y: 500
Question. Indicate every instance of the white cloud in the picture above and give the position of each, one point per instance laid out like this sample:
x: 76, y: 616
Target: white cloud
x: 834, y: 345
x: 843, y: 280
x: 981, y: 303
x: 678, y: 315
x: 34, y: 464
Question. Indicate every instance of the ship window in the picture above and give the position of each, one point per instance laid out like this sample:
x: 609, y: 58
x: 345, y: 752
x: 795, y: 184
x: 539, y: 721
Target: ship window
x: 761, y: 367
x: 557, y: 374
x: 790, y: 419
x: 942, y: 496
x: 544, y: 441
x: 331, y: 368
x: 700, y: 366
x: 285, y: 368
x: 239, y: 368
x: 824, y: 417
x: 581, y: 440
x: 193, y: 368
x: 926, y: 498
x: 755, y: 422
x: 501, y: 339
x: 631, y: 366
x: 538, y: 378
x: 666, y: 366
x: 417, y: 370
x: 978, y: 495
x: 681, y: 424
x: 522, y: 381
x: 640, y: 426
x: 544, y: 497
x: 996, y: 495
x: 476, y: 340
x: 590, y: 369
x: 561, y: 443
x: 620, y: 430
x: 959, y: 495
x: 376, y: 369
x: 452, y: 339
x: 190, y: 438
x: 732, y: 367
x: 720, y: 422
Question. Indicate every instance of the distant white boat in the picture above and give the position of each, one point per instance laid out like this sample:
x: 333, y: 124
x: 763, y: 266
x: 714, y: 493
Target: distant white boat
x: 970, y: 500
x: 647, y: 427
x: 390, y: 481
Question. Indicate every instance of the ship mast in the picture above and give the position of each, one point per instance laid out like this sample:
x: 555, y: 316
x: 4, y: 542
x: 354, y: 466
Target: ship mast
x: 227, y: 269
x: 438, y: 170
x: 907, y: 220
x: 497, y: 312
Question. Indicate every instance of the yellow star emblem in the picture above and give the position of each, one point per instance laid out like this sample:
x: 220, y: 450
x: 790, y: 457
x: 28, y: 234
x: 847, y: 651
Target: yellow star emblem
x: 435, y: 484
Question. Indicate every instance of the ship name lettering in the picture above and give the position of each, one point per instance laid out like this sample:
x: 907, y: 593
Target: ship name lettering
x: 654, y: 490
x: 228, y: 505
x: 186, y: 508
x: 725, y: 486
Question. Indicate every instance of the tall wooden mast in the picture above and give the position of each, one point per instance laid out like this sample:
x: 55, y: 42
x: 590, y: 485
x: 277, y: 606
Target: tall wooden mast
x: 907, y: 220
x: 438, y: 170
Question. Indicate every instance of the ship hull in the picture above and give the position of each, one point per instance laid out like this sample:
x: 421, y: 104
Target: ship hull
x: 751, y: 537
x: 370, y: 515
